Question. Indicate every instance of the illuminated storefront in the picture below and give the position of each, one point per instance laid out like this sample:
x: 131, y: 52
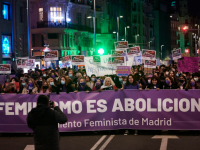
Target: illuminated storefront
x: 6, y: 46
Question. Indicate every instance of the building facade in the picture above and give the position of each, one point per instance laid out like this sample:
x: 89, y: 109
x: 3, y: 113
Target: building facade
x: 67, y: 26
x: 162, y: 30
x: 181, y: 18
x: 13, y: 30
x: 142, y: 23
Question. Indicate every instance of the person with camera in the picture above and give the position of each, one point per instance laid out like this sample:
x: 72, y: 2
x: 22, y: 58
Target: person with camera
x: 43, y: 120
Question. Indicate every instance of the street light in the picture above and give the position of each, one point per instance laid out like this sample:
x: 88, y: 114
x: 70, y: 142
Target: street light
x: 89, y: 17
x: 125, y: 31
x: 118, y: 26
x: 150, y: 45
x: 161, y: 51
x: 136, y: 37
x: 114, y: 32
x: 101, y: 51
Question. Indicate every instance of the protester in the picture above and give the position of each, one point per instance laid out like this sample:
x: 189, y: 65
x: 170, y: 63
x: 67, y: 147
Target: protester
x: 154, y: 83
x: 88, y: 81
x: 169, y: 83
x: 44, y: 123
x: 10, y: 88
x: 1, y: 88
x: 31, y: 88
x: 97, y: 85
x: 64, y: 85
x: 131, y: 83
x: 52, y: 83
x: 191, y: 84
x: 108, y: 84
x: 117, y: 82
x: 46, y: 88
x: 67, y: 80
x: 82, y: 86
x: 182, y: 82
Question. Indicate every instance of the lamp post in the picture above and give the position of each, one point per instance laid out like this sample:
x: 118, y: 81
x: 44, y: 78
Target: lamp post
x: 136, y: 38
x: 125, y: 31
x: 161, y: 51
x: 94, y: 20
x: 28, y: 28
x: 150, y: 45
x: 114, y: 32
x: 118, y: 26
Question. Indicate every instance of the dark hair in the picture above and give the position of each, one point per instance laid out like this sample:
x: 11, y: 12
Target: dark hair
x: 155, y: 78
x: 43, y: 100
x: 188, y: 86
x: 171, y: 79
x: 93, y: 75
x: 134, y: 81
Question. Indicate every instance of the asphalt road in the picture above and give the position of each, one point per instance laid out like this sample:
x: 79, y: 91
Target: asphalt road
x: 113, y: 140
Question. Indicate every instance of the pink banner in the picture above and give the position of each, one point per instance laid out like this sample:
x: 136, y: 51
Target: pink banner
x: 188, y: 64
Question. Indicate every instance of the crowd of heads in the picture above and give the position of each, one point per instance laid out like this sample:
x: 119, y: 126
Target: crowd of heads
x: 71, y: 80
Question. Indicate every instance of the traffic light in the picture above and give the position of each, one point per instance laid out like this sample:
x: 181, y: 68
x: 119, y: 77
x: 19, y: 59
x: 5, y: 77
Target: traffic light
x: 184, y: 29
x: 101, y: 51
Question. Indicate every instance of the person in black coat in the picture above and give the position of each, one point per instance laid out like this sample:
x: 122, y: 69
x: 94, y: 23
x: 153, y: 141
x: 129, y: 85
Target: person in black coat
x: 64, y: 85
x: 182, y: 82
x: 44, y: 123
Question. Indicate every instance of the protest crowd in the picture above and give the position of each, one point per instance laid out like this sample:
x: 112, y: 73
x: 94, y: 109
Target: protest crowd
x: 73, y: 80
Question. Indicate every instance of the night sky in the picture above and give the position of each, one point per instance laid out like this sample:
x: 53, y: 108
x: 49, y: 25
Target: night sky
x: 194, y: 8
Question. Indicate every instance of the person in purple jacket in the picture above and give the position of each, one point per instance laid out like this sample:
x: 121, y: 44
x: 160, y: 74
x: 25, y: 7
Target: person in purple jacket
x: 131, y: 83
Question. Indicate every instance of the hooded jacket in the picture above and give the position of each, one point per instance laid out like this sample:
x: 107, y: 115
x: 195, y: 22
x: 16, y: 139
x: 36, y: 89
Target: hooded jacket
x: 44, y: 122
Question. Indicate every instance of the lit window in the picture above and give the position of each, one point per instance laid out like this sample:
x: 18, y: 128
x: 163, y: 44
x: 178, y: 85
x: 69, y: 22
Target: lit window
x: 5, y: 11
x: 6, y: 44
x: 40, y: 14
x: 56, y: 14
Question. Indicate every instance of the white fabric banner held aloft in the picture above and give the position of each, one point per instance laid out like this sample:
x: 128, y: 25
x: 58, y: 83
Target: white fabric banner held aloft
x: 103, y: 68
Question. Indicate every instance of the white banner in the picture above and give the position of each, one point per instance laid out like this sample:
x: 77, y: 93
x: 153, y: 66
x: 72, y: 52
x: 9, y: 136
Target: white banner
x: 134, y: 51
x: 148, y: 54
x: 103, y: 69
x: 137, y: 60
x: 30, y: 64
x: 5, y: 69
x: 53, y: 55
x: 176, y: 54
x: 150, y: 63
x: 77, y: 59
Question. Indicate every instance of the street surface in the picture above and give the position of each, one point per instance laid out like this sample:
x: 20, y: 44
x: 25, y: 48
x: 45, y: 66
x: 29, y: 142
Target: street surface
x: 111, y: 140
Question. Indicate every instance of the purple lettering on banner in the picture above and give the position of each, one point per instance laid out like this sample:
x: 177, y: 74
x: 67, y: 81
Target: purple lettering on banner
x: 110, y: 110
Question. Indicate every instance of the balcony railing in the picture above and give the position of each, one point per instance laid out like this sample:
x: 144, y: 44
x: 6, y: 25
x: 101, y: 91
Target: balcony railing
x: 49, y: 24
